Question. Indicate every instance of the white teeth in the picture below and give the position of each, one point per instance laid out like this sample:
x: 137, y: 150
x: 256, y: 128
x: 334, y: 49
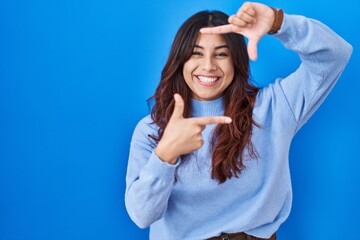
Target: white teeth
x: 208, y: 79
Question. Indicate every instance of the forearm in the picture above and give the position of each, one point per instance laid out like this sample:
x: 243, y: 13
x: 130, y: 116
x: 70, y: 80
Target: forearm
x: 314, y: 42
x: 148, y: 190
x: 324, y: 56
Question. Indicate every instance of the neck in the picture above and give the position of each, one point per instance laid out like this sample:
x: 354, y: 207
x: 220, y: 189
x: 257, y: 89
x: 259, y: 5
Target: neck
x: 207, y: 108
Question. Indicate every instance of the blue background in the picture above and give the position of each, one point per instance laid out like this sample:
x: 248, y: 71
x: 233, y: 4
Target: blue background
x: 74, y: 79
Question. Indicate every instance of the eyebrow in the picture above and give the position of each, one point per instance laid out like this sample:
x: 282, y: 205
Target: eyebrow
x: 218, y: 47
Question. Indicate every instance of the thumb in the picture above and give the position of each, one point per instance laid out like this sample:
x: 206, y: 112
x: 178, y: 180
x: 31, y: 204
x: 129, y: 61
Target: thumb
x: 252, y: 48
x: 179, y: 107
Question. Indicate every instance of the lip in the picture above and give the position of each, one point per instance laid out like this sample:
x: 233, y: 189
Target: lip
x: 209, y: 83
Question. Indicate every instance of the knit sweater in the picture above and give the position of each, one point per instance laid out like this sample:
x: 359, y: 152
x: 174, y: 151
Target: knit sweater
x: 195, y: 206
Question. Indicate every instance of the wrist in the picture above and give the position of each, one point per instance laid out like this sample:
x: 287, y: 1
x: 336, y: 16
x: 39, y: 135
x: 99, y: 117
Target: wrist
x: 278, y: 19
x: 165, y: 154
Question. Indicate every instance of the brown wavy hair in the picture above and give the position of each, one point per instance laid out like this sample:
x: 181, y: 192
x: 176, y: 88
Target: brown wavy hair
x: 229, y: 140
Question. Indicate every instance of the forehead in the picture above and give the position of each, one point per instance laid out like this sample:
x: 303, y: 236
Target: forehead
x: 210, y: 40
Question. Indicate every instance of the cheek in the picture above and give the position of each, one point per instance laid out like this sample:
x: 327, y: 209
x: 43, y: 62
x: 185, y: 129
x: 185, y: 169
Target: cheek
x: 187, y: 74
x: 185, y: 70
x: 188, y: 69
x: 232, y: 73
x: 229, y: 71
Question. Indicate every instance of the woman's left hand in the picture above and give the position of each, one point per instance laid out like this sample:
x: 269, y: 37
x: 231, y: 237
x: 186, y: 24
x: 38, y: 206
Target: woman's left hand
x: 253, y: 20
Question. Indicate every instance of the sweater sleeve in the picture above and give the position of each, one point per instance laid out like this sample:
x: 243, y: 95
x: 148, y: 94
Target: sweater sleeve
x: 149, y: 180
x: 324, y: 55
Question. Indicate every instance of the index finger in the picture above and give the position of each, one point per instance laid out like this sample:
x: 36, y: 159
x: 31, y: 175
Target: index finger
x: 212, y: 120
x: 228, y: 28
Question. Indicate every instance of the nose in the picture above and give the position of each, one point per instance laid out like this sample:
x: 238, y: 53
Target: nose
x: 208, y: 64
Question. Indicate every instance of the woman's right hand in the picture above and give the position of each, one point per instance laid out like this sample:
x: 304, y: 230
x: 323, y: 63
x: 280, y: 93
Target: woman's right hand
x: 252, y: 20
x: 183, y: 135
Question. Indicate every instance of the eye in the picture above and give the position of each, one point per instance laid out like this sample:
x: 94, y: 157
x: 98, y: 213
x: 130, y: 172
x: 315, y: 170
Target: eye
x: 195, y: 53
x: 221, y: 54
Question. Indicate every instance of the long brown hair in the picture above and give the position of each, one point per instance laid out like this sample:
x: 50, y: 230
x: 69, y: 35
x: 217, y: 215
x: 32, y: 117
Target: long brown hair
x: 229, y: 140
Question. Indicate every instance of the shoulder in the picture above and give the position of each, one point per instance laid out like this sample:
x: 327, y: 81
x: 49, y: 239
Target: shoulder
x: 269, y: 92
x: 142, y: 135
x: 145, y: 127
x: 146, y: 121
x: 271, y: 101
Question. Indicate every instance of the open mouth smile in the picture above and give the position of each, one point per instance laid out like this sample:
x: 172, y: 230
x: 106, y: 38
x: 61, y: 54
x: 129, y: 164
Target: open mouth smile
x: 207, y: 80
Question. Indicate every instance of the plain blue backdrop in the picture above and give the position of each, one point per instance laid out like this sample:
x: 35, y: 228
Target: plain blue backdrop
x: 74, y: 79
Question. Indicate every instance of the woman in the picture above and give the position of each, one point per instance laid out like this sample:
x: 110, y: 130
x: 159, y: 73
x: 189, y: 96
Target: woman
x: 211, y: 162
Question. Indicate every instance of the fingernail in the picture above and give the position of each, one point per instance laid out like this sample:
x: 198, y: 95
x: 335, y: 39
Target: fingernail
x: 228, y: 120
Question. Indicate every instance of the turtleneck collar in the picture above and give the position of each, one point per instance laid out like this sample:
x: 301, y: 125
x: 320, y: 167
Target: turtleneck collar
x: 207, y: 108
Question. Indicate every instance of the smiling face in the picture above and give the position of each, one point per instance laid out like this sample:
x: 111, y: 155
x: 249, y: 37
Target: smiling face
x: 210, y: 69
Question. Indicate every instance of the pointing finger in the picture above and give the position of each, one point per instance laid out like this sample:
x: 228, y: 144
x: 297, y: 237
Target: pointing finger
x: 179, y: 106
x: 213, y: 120
x: 219, y: 29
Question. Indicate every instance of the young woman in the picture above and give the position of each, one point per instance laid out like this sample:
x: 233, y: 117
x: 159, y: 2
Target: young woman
x: 211, y: 161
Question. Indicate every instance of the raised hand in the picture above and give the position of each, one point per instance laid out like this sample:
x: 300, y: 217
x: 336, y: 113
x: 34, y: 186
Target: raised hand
x: 183, y: 135
x: 253, y: 20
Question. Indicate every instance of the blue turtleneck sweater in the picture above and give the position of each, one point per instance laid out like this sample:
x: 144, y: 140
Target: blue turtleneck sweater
x: 259, y: 201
